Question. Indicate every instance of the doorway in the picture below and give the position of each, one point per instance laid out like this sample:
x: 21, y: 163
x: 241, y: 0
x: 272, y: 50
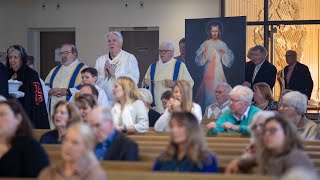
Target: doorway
x: 50, y: 43
x: 42, y: 44
x: 143, y: 43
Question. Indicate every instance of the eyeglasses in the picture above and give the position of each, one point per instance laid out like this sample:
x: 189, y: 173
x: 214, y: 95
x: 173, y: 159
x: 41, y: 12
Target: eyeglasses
x: 65, y: 53
x: 235, y: 100
x: 284, y: 106
x: 271, y: 130
x: 163, y: 51
x: 255, y: 126
x: 218, y: 92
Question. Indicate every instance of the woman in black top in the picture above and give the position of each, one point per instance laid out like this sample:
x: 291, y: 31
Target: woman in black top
x: 64, y: 114
x: 33, y: 101
x: 20, y: 154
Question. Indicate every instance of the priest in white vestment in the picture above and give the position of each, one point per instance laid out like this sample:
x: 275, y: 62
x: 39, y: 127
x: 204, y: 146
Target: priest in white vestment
x: 115, y: 64
x: 63, y: 79
x: 161, y: 75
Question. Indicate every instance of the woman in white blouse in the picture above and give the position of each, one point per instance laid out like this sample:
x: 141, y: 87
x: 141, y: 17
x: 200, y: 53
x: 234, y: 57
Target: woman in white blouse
x: 181, y: 100
x: 129, y: 113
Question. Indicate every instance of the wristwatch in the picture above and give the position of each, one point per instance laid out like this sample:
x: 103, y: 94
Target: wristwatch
x: 124, y: 130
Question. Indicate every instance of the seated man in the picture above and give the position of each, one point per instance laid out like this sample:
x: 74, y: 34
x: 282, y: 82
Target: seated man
x: 112, y: 145
x: 239, y: 116
x: 293, y: 106
x: 214, y: 111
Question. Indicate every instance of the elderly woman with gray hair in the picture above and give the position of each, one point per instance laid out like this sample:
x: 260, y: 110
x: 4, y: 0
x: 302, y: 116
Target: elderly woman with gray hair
x: 146, y: 97
x: 293, y: 106
x: 239, y: 116
x: 256, y: 143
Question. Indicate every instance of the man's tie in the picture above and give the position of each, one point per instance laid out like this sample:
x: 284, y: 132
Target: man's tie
x: 255, y: 72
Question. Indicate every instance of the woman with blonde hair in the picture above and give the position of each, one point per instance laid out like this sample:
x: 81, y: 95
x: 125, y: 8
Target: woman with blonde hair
x: 78, y: 158
x: 64, y: 114
x: 187, y: 150
x: 181, y: 101
x: 129, y: 113
x: 263, y: 98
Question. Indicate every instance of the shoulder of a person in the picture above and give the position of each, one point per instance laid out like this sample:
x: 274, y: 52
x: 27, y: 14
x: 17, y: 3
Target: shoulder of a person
x: 195, y: 105
x: 126, y: 139
x: 25, y: 140
x: 138, y: 103
x: 50, y: 133
x: 300, y: 65
x: 102, y: 57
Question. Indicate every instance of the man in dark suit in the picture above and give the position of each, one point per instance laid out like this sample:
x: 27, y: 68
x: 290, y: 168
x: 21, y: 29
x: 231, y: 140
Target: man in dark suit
x: 112, y: 145
x: 259, y: 69
x: 296, y: 76
x: 3, y: 80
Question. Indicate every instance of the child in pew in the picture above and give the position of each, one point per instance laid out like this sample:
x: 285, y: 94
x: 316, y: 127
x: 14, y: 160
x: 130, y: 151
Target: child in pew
x: 89, y: 76
x: 64, y: 114
x: 187, y: 150
x: 21, y: 154
x: 78, y: 158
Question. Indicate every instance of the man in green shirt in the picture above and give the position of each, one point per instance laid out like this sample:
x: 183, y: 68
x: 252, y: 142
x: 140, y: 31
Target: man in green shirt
x: 239, y: 116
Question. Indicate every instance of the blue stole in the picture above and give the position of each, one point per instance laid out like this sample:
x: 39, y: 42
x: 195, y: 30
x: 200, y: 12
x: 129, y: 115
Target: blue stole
x: 152, y: 73
x: 72, y: 80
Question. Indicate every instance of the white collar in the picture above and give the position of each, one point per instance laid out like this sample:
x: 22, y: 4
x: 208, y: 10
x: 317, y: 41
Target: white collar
x: 161, y: 63
x: 73, y: 63
x: 244, y: 115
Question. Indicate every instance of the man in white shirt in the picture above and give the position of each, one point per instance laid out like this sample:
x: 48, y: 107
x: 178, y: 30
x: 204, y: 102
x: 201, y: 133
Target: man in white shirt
x: 63, y: 79
x: 162, y: 74
x: 115, y: 64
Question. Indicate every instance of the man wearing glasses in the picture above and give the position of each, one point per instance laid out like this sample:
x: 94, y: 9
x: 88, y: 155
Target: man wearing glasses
x: 63, y: 79
x: 238, y: 118
x: 162, y: 74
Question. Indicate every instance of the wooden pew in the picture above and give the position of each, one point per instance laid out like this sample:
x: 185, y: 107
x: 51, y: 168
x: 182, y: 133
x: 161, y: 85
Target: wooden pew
x: 124, y: 175
x: 129, y: 175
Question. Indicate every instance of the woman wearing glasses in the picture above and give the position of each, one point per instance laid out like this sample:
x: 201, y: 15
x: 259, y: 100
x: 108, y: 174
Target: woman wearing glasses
x: 33, y: 99
x: 283, y: 148
x: 256, y: 143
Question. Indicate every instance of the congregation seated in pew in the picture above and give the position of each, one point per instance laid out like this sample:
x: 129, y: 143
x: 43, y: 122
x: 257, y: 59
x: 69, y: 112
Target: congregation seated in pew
x: 187, y: 150
x: 293, y: 106
x: 78, y: 158
x: 214, y: 111
x: 21, y: 155
x: 239, y: 116
x: 146, y: 96
x: 64, y: 115
x: 282, y: 150
x: 128, y: 113
x: 85, y: 104
x: 111, y: 144
x: 181, y: 100
x: 262, y: 97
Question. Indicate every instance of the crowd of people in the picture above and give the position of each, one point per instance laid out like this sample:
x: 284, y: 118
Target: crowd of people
x: 91, y: 109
